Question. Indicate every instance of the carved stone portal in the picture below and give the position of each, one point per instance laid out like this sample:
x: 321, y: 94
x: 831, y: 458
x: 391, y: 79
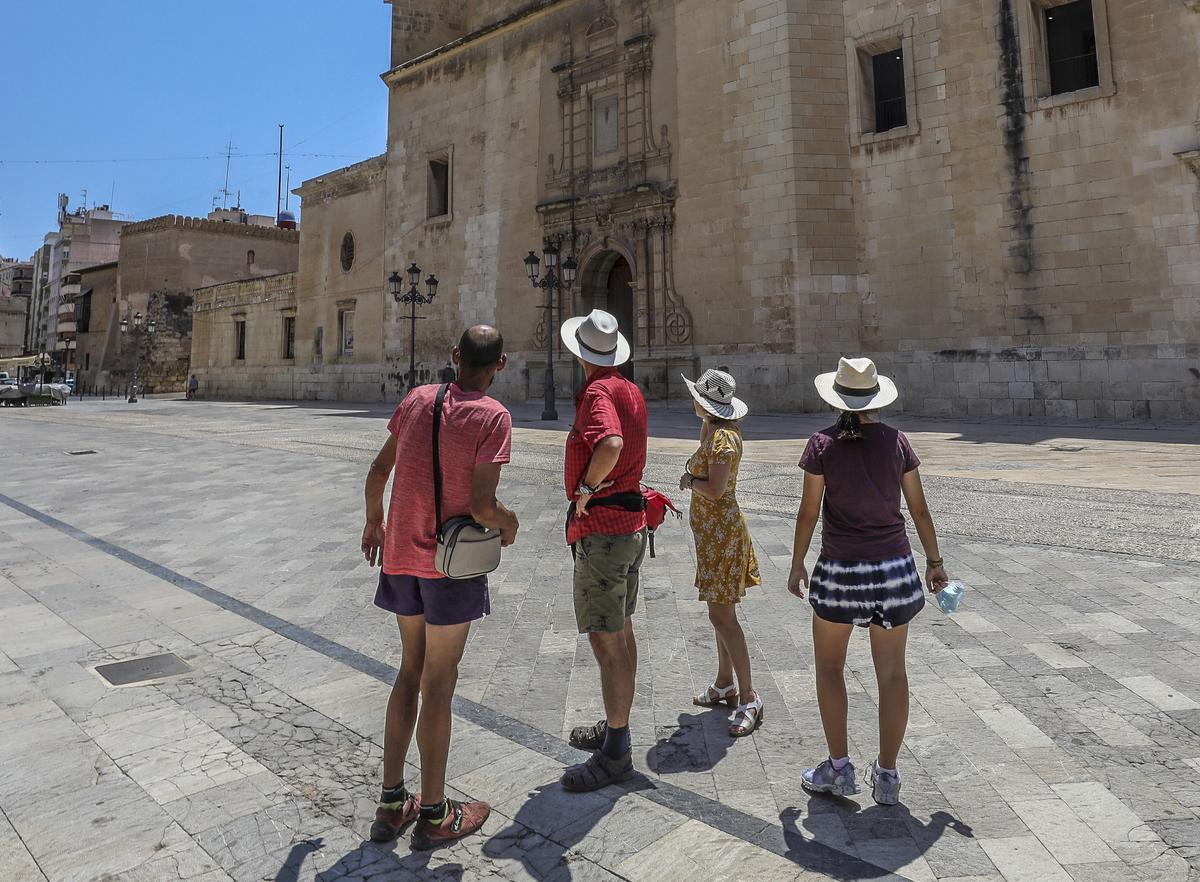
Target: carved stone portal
x: 610, y: 196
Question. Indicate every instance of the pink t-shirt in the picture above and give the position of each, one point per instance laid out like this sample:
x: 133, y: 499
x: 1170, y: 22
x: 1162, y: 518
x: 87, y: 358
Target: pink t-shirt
x: 475, y: 429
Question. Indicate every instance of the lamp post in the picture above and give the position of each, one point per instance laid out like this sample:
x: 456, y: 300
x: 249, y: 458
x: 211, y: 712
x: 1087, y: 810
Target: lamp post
x: 413, y: 297
x: 552, y: 282
x: 140, y: 335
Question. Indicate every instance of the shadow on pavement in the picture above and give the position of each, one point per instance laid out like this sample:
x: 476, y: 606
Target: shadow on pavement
x: 698, y: 744
x: 896, y: 824
x: 540, y: 838
x: 392, y: 861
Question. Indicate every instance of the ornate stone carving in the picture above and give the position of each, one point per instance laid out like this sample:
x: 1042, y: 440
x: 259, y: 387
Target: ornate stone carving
x: 600, y: 200
x: 1191, y: 158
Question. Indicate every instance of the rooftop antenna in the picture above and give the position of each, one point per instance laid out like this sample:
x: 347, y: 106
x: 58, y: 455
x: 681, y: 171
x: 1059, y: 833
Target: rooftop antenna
x: 225, y: 189
x: 287, y: 190
x: 279, y: 184
x: 83, y: 204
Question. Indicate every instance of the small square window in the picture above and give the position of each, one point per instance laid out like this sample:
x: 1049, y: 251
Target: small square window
x: 438, y: 202
x: 239, y: 328
x: 1071, y: 47
x: 346, y: 332
x: 887, y: 70
x: 289, y: 336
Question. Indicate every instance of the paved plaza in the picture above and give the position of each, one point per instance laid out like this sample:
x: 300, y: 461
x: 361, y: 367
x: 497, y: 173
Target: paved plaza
x: 1055, y: 730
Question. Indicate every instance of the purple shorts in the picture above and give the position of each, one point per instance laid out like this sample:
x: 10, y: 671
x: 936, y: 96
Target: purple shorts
x: 441, y: 601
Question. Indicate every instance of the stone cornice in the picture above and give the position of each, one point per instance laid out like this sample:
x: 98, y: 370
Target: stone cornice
x: 203, y: 225
x: 280, y: 288
x: 533, y: 9
x: 344, y: 181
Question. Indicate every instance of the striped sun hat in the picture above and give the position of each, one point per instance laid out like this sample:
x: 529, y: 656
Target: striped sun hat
x: 714, y: 392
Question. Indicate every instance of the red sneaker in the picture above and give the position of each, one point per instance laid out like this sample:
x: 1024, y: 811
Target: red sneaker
x: 463, y: 819
x: 390, y: 823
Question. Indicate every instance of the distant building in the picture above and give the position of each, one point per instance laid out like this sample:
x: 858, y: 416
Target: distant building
x: 16, y: 289
x: 160, y: 262
x: 85, y: 237
x: 318, y: 333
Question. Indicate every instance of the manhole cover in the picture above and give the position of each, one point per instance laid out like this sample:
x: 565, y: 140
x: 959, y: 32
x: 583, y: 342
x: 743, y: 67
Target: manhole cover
x: 142, y: 670
x: 80, y: 452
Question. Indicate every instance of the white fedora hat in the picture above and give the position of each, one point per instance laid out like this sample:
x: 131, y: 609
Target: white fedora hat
x: 714, y: 392
x: 856, y: 385
x: 595, y: 338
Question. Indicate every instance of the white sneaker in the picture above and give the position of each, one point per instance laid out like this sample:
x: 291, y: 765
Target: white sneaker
x: 826, y: 779
x: 885, y: 786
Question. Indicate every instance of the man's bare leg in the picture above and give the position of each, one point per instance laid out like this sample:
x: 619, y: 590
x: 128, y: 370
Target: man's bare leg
x: 402, y: 704
x: 444, y: 646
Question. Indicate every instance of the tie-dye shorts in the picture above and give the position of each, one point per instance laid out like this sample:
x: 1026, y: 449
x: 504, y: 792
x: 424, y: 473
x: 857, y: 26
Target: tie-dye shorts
x: 887, y: 593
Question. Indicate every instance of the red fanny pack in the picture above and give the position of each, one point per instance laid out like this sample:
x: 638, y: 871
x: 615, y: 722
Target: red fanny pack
x: 657, y: 505
x: 649, y: 500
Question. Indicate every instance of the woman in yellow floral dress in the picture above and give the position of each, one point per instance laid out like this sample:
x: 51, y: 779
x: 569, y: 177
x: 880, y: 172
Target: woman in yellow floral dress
x: 725, y: 561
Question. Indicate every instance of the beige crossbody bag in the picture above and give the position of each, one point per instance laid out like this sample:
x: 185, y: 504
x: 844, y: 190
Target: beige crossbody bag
x: 465, y: 549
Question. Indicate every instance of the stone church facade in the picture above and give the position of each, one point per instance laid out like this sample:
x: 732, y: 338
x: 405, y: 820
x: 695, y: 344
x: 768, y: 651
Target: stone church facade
x: 998, y: 200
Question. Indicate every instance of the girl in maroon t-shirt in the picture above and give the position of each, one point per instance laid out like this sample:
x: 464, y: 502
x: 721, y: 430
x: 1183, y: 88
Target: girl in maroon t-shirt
x: 865, y: 574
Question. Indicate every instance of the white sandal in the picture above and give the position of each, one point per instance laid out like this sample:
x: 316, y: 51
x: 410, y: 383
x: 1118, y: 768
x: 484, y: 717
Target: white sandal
x: 747, y: 718
x: 715, y: 695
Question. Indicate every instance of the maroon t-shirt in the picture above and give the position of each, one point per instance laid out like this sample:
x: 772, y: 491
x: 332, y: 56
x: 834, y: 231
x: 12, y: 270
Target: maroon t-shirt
x: 861, y: 513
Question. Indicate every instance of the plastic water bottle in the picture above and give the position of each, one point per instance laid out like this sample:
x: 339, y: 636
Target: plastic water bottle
x: 950, y: 597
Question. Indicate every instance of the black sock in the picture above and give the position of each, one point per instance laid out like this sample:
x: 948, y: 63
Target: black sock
x: 393, y: 795
x: 616, y: 742
x: 435, y: 812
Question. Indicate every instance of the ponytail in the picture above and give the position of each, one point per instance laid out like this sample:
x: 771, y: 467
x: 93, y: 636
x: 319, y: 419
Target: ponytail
x: 849, y: 426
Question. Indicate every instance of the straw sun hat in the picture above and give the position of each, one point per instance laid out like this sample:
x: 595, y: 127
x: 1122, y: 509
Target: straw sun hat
x: 596, y: 339
x: 856, y: 385
x: 714, y: 392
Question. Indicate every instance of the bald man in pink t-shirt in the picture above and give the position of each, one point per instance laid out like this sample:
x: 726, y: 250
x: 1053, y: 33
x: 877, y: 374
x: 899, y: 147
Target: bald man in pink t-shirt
x: 434, y: 613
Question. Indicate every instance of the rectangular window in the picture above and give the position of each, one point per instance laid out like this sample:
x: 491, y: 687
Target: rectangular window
x: 887, y: 70
x: 346, y: 332
x: 438, y: 203
x: 239, y: 328
x: 1071, y: 47
x: 289, y: 336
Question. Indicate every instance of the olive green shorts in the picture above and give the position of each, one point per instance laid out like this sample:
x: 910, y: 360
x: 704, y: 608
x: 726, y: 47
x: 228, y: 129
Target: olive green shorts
x: 606, y: 580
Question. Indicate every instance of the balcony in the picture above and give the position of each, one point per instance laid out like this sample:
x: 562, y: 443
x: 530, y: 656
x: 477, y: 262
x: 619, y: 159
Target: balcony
x: 66, y: 312
x: 67, y: 327
x: 69, y: 290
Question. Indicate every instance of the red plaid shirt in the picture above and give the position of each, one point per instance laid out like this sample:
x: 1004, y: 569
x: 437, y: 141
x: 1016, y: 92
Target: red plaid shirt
x: 607, y: 405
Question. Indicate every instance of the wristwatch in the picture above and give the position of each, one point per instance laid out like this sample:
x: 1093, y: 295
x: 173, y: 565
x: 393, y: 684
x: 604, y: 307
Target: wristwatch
x: 586, y: 489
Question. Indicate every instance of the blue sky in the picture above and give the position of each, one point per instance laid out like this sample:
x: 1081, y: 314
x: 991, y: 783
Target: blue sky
x: 158, y: 81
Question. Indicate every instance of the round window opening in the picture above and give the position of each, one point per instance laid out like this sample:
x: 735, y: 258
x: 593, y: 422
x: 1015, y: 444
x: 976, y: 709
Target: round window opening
x: 347, y: 252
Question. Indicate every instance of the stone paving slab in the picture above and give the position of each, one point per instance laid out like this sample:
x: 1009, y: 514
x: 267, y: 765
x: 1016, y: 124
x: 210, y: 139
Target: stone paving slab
x: 1052, y: 727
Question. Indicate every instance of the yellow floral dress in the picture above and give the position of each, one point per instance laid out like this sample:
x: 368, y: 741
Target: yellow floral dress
x: 725, y: 559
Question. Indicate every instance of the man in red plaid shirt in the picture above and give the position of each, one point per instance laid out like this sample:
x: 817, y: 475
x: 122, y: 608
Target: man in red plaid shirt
x: 606, y: 455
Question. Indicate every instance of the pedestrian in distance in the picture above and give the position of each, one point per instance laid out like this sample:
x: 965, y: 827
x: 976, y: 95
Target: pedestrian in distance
x: 725, y: 560
x: 192, y: 385
x: 606, y: 528
x: 434, y: 613
x: 854, y: 474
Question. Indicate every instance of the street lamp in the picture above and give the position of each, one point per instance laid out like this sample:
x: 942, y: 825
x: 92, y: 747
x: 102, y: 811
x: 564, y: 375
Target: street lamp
x: 412, y: 297
x: 140, y: 335
x: 552, y: 282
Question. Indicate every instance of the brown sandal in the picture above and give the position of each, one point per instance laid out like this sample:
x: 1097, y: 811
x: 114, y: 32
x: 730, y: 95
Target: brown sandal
x: 715, y: 695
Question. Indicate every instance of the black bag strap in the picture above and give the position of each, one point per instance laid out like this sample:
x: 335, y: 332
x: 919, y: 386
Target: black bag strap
x: 437, y: 457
